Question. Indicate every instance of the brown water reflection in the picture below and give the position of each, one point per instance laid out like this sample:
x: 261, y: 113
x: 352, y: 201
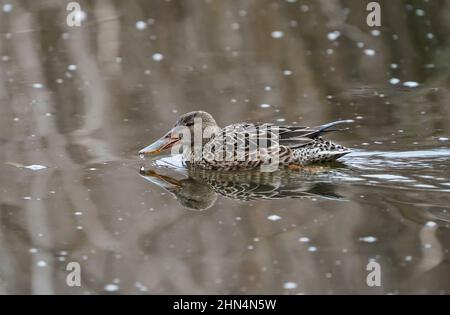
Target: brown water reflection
x: 85, y: 123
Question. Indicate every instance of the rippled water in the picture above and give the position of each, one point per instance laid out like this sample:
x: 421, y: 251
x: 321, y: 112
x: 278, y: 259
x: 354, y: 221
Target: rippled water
x: 76, y: 104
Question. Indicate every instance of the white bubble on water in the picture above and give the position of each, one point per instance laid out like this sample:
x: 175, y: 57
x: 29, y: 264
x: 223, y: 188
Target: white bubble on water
x: 72, y: 67
x: 41, y: 263
x: 420, y: 12
x: 37, y: 85
x: 277, y: 34
x: 375, y: 32
x: 264, y: 105
x: 7, y: 7
x: 411, y: 84
x: 368, y: 239
x: 80, y: 16
x: 290, y: 285
x: 431, y: 224
x: 274, y: 217
x: 111, y: 287
x: 35, y: 167
x: 157, y: 57
x: 141, y: 25
x: 333, y: 35
x: 369, y: 52
x: 394, y: 81
x: 312, y: 249
x: 287, y: 72
x: 304, y: 239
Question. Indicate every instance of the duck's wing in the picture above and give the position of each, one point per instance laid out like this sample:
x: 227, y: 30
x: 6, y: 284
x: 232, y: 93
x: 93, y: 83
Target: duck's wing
x: 298, y: 136
x: 250, y: 135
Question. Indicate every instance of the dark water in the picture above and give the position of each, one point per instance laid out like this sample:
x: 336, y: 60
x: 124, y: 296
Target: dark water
x: 77, y: 103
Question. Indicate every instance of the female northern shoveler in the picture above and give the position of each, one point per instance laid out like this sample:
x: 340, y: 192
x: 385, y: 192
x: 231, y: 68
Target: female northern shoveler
x: 246, y: 146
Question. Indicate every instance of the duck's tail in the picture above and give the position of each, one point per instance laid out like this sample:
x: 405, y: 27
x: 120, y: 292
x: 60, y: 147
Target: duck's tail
x: 320, y: 150
x: 325, y: 127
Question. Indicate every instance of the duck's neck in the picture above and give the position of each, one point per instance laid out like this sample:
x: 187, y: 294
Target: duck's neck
x: 208, y: 135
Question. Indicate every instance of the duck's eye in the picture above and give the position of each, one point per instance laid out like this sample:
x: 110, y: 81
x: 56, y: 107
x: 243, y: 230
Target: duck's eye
x: 188, y: 124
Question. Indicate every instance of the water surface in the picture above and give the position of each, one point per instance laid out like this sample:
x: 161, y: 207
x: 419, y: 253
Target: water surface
x: 76, y: 104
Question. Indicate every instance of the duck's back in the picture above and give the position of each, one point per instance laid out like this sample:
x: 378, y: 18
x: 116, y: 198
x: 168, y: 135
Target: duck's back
x: 246, y: 145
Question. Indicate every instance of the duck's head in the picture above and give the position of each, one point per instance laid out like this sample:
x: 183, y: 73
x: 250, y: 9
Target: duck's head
x: 198, y: 123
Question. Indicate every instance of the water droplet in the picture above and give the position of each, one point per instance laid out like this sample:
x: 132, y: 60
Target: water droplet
x: 111, y: 287
x: 277, y: 34
x: 41, y: 263
x: 35, y: 167
x: 141, y: 25
x: 394, y: 81
x: 369, y: 52
x: 7, y: 7
x: 37, y: 85
x: 420, y: 12
x: 157, y: 57
x: 304, y: 239
x: 368, y: 239
x: 410, y: 84
x: 290, y: 285
x: 274, y: 217
x: 333, y: 35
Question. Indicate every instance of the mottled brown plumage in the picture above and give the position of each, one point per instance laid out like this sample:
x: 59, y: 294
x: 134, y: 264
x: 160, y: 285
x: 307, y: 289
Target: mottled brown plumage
x: 249, y: 146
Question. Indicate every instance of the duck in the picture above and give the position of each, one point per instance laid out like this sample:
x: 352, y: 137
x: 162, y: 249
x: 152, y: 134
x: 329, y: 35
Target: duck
x: 244, y: 145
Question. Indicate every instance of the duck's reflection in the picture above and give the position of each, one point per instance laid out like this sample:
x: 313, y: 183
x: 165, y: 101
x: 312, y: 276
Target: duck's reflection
x: 197, y: 189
